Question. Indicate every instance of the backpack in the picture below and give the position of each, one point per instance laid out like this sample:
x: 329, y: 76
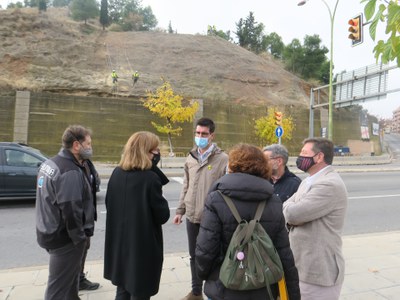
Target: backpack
x: 251, y: 260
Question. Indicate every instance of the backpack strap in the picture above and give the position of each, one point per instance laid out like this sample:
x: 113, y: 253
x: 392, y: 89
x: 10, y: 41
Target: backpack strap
x: 231, y: 206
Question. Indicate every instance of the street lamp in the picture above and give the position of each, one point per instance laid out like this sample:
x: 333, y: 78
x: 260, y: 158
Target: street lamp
x: 330, y: 97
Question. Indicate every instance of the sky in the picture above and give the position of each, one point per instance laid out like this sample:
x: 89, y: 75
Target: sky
x: 288, y: 20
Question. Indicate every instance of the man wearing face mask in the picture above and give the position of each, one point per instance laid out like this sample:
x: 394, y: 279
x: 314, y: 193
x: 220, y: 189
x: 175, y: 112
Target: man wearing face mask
x: 204, y: 165
x: 65, y: 212
x: 315, y: 215
x: 285, y: 182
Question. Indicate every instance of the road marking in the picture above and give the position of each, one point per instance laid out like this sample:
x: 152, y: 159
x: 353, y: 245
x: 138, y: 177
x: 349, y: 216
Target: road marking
x: 178, y: 179
x: 375, y: 196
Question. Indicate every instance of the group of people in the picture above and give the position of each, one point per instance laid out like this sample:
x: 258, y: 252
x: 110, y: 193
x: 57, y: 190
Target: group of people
x: 114, y: 77
x: 304, y: 219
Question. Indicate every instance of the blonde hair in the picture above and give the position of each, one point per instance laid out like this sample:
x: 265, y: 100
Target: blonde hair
x: 136, y: 149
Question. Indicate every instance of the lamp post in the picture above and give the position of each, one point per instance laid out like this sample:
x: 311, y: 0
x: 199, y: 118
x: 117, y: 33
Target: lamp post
x: 330, y: 96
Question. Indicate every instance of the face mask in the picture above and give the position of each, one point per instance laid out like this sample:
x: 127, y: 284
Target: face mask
x: 156, y: 159
x: 201, y: 142
x: 304, y: 163
x: 85, y: 153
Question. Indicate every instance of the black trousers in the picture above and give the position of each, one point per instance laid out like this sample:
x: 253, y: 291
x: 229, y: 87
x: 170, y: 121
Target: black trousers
x: 123, y: 294
x: 192, y: 233
x: 64, y: 268
x: 82, y: 273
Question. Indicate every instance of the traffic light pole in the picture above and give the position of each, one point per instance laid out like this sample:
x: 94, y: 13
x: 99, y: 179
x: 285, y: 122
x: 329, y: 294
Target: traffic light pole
x: 330, y: 95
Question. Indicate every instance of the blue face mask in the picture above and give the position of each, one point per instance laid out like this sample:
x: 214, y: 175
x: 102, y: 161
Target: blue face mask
x: 201, y: 142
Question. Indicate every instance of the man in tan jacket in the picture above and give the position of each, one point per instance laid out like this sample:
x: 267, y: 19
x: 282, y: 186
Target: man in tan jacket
x: 205, y: 164
x: 315, y: 215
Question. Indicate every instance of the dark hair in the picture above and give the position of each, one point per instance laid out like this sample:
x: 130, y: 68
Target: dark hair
x: 206, y: 122
x: 278, y: 151
x: 74, y: 133
x: 249, y: 159
x: 322, y: 145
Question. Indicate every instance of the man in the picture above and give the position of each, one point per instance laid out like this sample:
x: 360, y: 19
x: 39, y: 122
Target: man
x: 65, y: 212
x: 114, y: 76
x: 135, y: 77
x: 285, y: 182
x: 315, y: 215
x: 204, y: 165
x: 84, y: 283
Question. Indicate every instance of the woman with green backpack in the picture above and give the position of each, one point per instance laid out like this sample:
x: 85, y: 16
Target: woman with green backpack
x: 248, y: 188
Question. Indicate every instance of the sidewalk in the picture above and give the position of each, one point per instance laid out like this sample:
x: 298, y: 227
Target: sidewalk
x: 372, y: 273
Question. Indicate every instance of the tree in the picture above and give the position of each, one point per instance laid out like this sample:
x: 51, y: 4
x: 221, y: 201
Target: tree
x: 84, y: 9
x: 104, y: 21
x: 42, y: 5
x: 250, y: 34
x: 314, y: 57
x: 265, y: 127
x: 61, y: 3
x: 131, y: 16
x: 212, y: 31
x: 170, y: 30
x: 293, y: 56
x: 168, y: 106
x: 388, y: 13
x: 274, y: 45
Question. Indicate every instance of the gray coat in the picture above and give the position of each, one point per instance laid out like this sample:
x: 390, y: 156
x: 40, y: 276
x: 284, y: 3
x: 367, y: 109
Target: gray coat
x: 317, y: 211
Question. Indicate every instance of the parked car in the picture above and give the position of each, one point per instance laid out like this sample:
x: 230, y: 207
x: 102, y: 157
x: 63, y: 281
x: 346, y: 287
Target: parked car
x: 19, y: 166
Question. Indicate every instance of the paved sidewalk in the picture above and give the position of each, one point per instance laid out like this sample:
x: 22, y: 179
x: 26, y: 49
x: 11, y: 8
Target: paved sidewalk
x: 372, y: 272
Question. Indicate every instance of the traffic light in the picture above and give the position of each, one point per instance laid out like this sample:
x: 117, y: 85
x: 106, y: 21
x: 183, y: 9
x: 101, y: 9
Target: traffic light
x: 356, y: 30
x: 278, y: 118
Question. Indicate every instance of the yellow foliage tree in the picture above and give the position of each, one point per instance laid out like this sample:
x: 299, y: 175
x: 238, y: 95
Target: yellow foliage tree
x: 168, y: 106
x: 265, y: 127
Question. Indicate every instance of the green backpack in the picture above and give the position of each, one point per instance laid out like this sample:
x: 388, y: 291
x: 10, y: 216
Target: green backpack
x: 251, y: 261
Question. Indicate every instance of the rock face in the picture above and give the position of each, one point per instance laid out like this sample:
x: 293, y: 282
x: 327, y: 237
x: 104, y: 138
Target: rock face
x: 50, y: 52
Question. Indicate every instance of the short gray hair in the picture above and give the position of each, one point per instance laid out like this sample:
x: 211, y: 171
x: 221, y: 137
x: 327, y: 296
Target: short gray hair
x: 278, y: 150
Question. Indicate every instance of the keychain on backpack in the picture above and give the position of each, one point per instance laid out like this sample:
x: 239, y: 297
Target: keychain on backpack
x: 240, y: 257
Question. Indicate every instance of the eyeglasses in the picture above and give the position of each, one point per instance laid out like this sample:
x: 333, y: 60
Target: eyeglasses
x: 202, y: 134
x: 275, y: 157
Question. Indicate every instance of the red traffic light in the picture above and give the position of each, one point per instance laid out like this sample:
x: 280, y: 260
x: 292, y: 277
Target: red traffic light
x: 356, y: 30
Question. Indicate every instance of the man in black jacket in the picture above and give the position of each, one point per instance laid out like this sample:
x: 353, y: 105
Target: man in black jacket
x: 285, y: 182
x: 65, y: 212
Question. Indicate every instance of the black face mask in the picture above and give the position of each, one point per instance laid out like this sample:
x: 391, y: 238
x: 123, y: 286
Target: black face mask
x: 156, y: 159
x: 304, y: 163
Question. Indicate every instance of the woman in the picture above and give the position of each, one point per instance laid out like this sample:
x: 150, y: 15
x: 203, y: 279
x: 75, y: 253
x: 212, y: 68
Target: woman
x: 136, y: 210
x: 246, y: 184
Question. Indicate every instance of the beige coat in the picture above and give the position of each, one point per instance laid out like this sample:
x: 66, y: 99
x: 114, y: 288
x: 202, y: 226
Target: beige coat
x: 317, y: 211
x: 197, y: 180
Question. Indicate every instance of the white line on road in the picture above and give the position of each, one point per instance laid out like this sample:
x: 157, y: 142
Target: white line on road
x: 375, y: 196
x: 178, y: 179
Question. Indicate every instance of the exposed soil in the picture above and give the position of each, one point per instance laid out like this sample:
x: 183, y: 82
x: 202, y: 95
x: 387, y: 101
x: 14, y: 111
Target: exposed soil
x: 50, y: 52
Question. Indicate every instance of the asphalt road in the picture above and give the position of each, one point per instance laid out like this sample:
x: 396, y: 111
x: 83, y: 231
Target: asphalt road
x: 374, y: 202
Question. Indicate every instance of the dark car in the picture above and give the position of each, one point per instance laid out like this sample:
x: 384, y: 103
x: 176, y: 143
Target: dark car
x: 19, y: 166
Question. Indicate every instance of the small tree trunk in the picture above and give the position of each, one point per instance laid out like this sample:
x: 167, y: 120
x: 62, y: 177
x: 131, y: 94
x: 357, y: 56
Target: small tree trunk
x: 171, y: 151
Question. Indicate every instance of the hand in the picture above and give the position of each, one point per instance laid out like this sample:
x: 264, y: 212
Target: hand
x: 177, y: 219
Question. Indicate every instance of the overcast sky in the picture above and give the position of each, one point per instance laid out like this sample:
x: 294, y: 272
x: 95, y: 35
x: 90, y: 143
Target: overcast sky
x: 289, y: 21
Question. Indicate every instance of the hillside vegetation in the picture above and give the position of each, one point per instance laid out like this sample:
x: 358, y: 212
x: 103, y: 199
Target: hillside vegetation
x: 50, y: 52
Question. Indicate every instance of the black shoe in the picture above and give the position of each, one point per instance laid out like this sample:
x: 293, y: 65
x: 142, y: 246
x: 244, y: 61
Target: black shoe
x: 85, y: 284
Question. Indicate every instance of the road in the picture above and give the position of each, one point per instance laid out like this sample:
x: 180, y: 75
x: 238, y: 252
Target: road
x: 374, y: 202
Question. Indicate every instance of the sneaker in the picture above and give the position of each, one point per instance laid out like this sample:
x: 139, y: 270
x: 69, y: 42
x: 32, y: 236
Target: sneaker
x: 85, y: 284
x: 190, y: 296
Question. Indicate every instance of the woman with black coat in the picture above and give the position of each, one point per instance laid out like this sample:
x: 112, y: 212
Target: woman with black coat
x: 246, y: 184
x: 136, y: 209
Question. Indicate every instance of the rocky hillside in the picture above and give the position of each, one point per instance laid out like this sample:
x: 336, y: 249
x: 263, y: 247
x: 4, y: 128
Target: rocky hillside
x: 50, y: 52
